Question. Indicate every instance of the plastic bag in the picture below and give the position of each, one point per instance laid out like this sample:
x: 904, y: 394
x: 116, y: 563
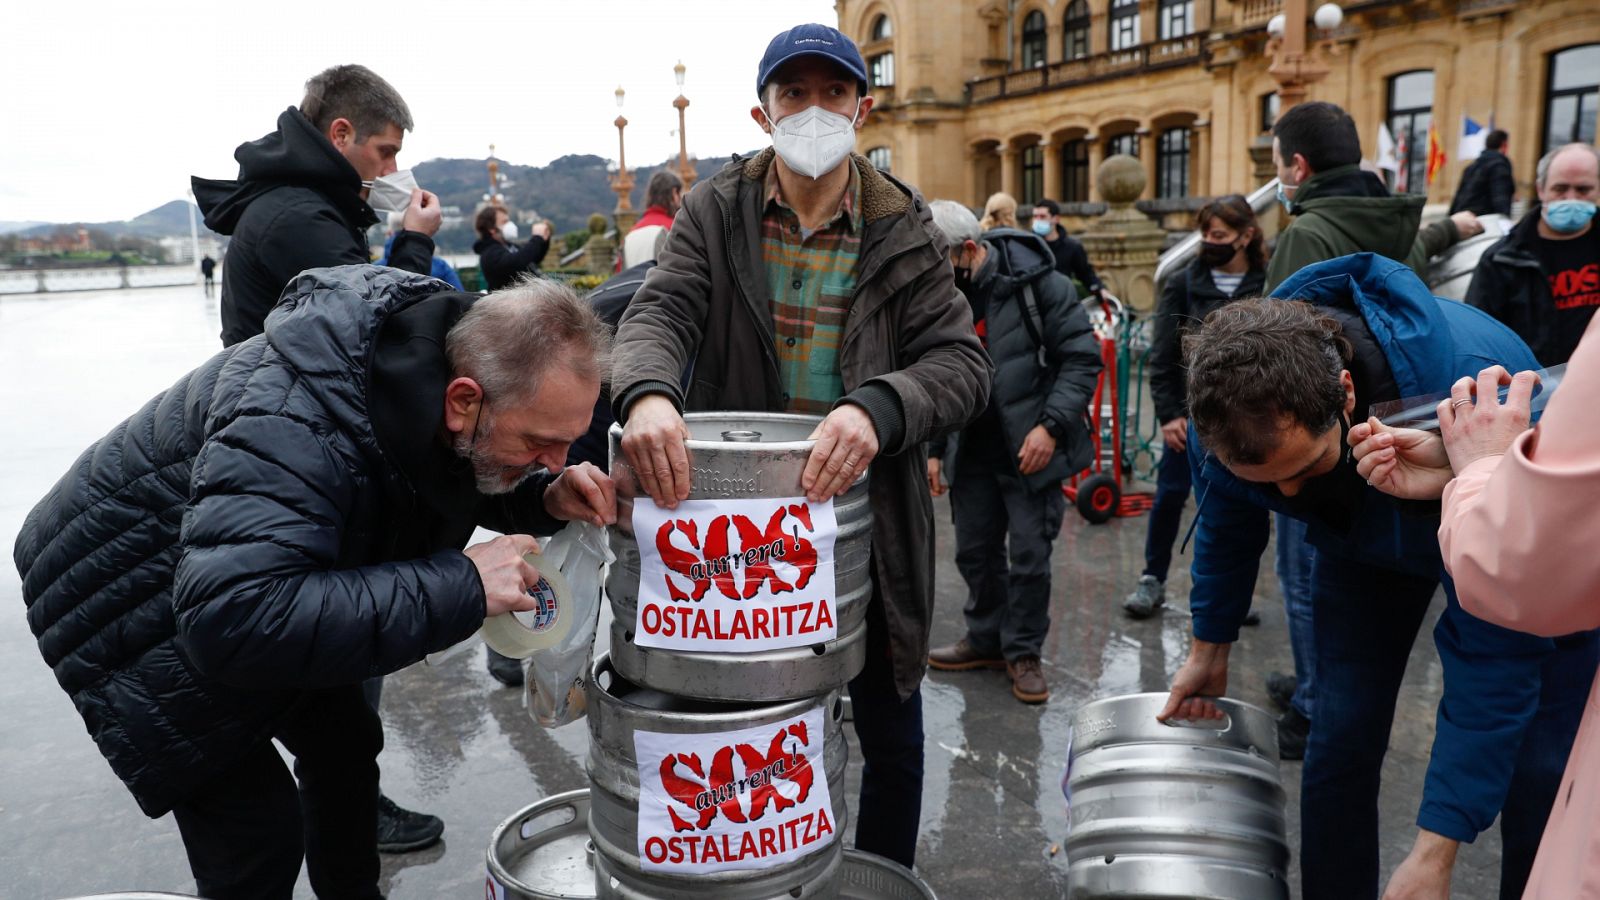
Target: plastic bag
x: 553, y: 691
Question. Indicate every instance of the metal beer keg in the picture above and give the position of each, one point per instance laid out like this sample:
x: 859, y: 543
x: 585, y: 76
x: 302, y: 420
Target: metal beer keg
x: 618, y: 710
x: 543, y: 852
x: 737, y: 456
x: 868, y: 876
x: 1170, y: 811
x: 1450, y: 272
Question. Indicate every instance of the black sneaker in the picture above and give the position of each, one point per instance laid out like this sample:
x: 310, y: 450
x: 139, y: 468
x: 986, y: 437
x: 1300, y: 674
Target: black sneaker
x: 1280, y: 689
x: 1251, y: 618
x: 401, y: 830
x: 505, y: 669
x: 1293, y: 729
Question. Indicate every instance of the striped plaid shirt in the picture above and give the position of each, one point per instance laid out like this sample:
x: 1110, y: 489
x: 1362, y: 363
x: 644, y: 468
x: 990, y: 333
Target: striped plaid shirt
x: 812, y: 278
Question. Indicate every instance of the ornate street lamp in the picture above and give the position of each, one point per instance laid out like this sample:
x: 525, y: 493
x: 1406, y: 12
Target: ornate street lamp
x: 685, y: 170
x: 494, y: 197
x: 1295, y: 66
x: 623, y: 182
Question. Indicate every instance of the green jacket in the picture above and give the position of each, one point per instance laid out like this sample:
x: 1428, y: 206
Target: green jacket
x: 1346, y: 210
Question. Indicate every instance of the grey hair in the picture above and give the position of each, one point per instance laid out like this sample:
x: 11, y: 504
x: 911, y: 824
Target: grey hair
x: 956, y: 222
x: 358, y: 94
x: 509, y: 340
x: 1549, y: 158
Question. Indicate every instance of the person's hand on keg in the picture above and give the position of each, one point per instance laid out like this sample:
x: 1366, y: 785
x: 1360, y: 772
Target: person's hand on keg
x: 1201, y: 679
x: 582, y: 493
x: 847, y: 442
x: 505, y: 574
x: 655, y: 442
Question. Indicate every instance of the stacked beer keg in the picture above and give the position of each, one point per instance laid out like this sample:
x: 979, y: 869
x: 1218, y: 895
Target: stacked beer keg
x: 716, y: 758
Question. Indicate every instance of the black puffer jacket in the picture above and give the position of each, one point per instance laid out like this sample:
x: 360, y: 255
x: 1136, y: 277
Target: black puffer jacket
x: 1186, y: 300
x: 296, y: 205
x: 1053, y: 388
x: 1486, y: 186
x: 284, y: 518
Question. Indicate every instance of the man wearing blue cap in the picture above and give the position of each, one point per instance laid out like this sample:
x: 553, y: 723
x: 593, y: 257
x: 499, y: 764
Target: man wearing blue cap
x: 804, y: 280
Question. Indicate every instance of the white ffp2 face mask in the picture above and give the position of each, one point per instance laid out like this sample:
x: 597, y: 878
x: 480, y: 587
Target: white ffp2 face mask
x: 392, y: 193
x: 509, y: 231
x: 814, y: 141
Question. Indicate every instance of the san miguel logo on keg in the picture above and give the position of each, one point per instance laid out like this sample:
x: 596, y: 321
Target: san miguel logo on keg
x: 735, y: 575
x: 744, y: 799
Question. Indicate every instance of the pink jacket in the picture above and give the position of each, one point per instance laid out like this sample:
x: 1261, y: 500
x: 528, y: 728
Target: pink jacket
x: 1518, y: 534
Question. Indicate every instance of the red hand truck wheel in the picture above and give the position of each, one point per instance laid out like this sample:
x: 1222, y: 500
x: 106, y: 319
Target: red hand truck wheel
x: 1098, y: 498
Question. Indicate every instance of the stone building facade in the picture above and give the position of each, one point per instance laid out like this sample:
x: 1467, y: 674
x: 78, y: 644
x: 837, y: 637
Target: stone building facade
x: 975, y: 96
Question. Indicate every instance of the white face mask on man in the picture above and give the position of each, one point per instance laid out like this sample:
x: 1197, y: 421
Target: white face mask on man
x: 509, y: 231
x: 391, y: 193
x: 814, y: 141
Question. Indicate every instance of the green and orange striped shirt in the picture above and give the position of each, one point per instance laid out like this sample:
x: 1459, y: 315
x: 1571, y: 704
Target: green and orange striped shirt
x: 812, y: 278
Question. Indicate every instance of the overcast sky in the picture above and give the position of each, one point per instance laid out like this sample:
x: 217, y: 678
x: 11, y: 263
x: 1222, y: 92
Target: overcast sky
x: 107, y: 108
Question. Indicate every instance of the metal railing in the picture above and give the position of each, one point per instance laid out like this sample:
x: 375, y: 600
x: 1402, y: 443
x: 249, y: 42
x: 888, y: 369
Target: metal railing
x: 95, y: 278
x: 1089, y: 69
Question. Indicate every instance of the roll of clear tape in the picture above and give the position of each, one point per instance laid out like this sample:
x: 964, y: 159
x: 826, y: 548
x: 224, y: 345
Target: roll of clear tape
x: 521, y: 634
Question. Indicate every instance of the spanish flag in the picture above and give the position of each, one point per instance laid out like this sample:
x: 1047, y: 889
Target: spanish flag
x: 1436, y: 158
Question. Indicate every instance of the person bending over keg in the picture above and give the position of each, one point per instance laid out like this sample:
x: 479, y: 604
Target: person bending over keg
x: 804, y: 280
x: 1273, y: 386
x: 229, y: 565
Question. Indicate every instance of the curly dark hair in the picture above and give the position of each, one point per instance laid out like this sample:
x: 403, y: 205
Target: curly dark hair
x: 483, y: 222
x: 1255, y: 362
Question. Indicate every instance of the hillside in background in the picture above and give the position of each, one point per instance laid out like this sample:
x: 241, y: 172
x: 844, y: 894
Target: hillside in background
x: 566, y: 192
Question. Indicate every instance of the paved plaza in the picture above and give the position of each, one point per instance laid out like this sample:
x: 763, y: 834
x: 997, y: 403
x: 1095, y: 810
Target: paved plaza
x: 461, y: 746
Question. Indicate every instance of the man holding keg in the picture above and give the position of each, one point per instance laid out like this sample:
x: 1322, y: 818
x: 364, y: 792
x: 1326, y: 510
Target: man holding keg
x: 1273, y: 387
x: 229, y: 565
x: 805, y: 280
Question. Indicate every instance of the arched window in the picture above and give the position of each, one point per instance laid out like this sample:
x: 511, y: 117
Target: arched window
x: 1410, y: 114
x: 1124, y: 24
x: 882, y: 30
x: 1033, y: 40
x: 880, y: 70
x: 1032, y: 174
x: 1572, y: 97
x: 1075, y: 31
x: 1176, y: 18
x: 1172, y: 163
x: 1075, y: 172
x: 880, y: 158
x: 1122, y: 143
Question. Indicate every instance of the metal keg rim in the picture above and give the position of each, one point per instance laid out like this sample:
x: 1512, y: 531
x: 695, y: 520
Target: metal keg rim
x: 577, y: 801
x: 883, y: 863
x: 1247, y: 724
x: 752, y: 417
x: 736, y: 713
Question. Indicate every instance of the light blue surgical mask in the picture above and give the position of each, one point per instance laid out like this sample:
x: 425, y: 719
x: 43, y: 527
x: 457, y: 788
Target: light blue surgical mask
x: 1283, y: 197
x: 1568, y: 216
x: 1041, y: 227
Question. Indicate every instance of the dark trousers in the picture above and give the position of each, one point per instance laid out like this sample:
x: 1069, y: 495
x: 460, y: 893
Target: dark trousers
x: 1172, y: 492
x: 1365, y: 621
x: 890, y: 732
x: 247, y: 831
x: 1004, y: 533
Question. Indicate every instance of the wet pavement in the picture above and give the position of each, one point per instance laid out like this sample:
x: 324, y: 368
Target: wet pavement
x: 461, y: 746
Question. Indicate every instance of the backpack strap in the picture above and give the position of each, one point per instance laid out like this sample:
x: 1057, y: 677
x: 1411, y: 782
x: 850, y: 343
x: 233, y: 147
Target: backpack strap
x: 1033, y: 320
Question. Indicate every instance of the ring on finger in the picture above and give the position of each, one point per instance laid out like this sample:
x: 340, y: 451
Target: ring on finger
x: 1457, y: 404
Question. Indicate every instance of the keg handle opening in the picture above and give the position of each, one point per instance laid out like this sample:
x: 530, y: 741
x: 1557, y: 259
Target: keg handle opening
x: 1220, y: 726
x: 742, y: 436
x: 547, y: 820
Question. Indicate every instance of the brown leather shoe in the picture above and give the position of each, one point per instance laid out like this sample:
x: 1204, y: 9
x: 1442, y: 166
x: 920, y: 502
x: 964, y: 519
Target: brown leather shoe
x: 960, y: 656
x: 1027, y: 680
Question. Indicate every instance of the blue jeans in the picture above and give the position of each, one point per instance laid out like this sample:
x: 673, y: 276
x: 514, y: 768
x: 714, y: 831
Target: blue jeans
x: 1172, y: 492
x: 890, y: 732
x: 1365, y: 623
x: 1294, y: 579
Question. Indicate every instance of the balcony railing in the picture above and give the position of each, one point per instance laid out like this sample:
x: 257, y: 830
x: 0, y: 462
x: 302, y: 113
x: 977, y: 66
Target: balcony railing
x: 1117, y: 63
x: 1255, y: 13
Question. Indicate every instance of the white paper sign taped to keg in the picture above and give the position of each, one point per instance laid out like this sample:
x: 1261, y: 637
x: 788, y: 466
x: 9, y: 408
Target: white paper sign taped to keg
x: 736, y: 576
x: 746, y: 799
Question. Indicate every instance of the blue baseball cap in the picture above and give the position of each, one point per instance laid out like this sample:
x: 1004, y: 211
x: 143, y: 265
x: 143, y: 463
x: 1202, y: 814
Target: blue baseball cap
x: 811, y: 40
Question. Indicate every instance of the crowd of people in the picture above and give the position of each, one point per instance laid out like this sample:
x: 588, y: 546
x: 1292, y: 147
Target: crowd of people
x: 248, y: 555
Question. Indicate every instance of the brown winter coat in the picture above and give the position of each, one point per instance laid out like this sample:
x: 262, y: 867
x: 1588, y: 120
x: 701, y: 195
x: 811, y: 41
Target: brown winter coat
x: 909, y: 356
